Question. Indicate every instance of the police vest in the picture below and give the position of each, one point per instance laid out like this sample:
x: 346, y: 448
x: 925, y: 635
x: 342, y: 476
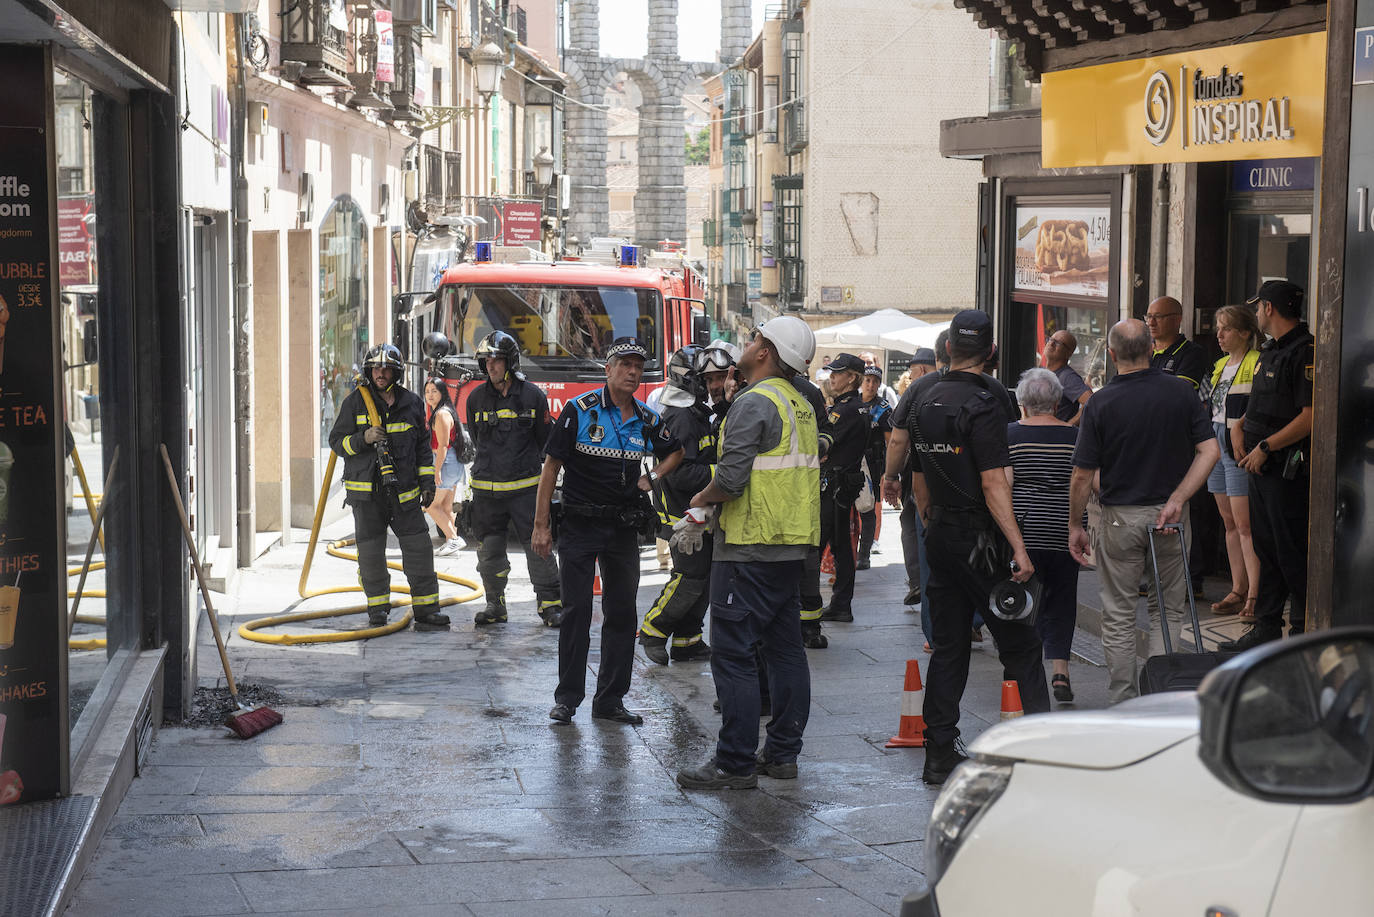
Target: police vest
x: 940, y: 426
x: 781, y: 503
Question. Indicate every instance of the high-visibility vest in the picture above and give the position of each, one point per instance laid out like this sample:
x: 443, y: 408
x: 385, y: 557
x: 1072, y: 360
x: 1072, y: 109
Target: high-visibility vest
x: 781, y: 504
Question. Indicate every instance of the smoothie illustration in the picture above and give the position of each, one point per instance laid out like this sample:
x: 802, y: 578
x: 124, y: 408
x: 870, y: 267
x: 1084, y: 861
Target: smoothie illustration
x: 4, y: 320
x: 9, y: 614
x: 6, y: 463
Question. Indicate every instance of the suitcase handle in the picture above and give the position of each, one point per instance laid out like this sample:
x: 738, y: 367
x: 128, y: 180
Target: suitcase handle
x: 1188, y: 588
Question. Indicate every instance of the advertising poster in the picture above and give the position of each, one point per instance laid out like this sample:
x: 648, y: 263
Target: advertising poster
x: 386, y: 47
x: 766, y: 233
x: 1063, y: 249
x: 520, y: 223
x: 33, y: 727
x: 75, y: 259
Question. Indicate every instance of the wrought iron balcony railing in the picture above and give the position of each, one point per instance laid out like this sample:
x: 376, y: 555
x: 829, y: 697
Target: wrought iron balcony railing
x: 312, y: 36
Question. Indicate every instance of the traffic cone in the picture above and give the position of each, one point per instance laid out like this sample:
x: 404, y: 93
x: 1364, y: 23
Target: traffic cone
x: 1011, y: 701
x: 827, y: 562
x: 596, y: 581
x: 911, y: 728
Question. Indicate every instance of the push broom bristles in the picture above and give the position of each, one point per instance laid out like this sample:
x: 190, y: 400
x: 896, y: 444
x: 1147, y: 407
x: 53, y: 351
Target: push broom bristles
x: 248, y: 723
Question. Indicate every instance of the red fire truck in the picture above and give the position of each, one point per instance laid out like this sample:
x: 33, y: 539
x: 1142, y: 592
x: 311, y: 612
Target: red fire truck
x: 564, y: 314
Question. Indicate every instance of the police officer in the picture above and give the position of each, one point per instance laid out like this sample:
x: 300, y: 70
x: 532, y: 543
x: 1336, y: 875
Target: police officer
x: 598, y: 442
x: 388, y: 478
x: 841, y: 478
x: 958, y: 429
x: 1274, y: 440
x: 695, y: 383
x: 875, y: 455
x: 766, y: 485
x: 508, y: 418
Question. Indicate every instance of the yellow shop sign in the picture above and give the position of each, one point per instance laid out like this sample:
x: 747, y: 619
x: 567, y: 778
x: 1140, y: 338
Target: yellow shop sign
x: 1259, y: 100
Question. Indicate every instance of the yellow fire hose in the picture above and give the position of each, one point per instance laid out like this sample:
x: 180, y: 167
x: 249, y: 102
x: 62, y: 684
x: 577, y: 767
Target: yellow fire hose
x: 248, y: 630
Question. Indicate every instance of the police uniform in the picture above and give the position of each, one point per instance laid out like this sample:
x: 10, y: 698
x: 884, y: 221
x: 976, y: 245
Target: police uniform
x: 880, y: 424
x: 377, y: 506
x: 509, y: 432
x: 841, y: 480
x: 680, y: 609
x: 812, y: 604
x: 959, y: 430
x: 1279, y: 502
x: 602, y: 514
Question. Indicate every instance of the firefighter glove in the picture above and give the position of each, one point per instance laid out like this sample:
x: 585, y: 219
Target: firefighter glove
x: 689, y: 532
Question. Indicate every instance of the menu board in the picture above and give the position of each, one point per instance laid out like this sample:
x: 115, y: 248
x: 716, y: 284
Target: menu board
x: 33, y: 728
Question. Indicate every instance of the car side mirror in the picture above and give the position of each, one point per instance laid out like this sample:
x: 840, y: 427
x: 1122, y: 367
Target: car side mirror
x: 1293, y: 720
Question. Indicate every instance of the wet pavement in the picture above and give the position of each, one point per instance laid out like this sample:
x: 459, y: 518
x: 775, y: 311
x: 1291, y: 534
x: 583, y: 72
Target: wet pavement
x: 418, y: 774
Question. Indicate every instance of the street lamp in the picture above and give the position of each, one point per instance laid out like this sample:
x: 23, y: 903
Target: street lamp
x: 543, y: 168
x: 489, y: 61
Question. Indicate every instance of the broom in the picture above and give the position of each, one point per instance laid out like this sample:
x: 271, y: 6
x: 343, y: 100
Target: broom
x: 248, y: 721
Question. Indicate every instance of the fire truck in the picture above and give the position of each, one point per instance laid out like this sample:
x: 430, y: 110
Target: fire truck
x: 564, y: 314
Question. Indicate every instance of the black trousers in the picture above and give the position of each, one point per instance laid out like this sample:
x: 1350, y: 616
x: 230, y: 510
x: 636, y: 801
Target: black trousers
x: 758, y: 605
x: 835, y: 534
x: 911, y: 542
x: 371, y: 519
x: 494, y: 517
x: 584, y: 544
x: 868, y: 530
x: 1278, y: 528
x: 680, y: 609
x: 954, y: 598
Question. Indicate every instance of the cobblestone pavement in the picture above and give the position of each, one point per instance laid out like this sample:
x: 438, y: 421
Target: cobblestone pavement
x: 418, y: 774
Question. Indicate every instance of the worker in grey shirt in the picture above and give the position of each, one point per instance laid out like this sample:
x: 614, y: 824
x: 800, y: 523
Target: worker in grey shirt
x: 767, y: 488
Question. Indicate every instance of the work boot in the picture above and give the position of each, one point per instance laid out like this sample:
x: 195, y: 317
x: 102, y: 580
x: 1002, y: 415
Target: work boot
x: 494, y: 613
x: 1259, y: 634
x: 552, y: 615
x: 843, y: 615
x: 430, y: 619
x: 376, y: 616
x: 913, y: 596
x: 693, y: 652
x: 778, y: 770
x: 812, y: 638
x: 941, y: 760
x: 656, y: 648
x: 709, y: 776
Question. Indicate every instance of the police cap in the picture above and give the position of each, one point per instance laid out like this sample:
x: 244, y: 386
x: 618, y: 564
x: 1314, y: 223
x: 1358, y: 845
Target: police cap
x: 923, y: 357
x: 627, y: 347
x: 972, y: 327
x: 846, y: 362
x: 1285, y: 296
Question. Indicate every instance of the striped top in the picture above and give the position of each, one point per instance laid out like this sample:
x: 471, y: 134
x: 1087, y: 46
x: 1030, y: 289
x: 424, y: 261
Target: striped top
x: 1042, y: 463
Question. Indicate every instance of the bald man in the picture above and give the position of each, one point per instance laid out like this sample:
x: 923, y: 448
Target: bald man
x: 1060, y: 346
x: 1173, y: 353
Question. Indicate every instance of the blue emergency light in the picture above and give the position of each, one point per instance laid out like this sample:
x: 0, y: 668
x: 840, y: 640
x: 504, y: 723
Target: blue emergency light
x: 629, y: 256
x: 482, y: 252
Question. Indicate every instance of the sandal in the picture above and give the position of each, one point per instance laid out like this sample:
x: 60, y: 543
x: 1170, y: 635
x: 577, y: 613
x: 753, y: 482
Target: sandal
x: 1063, y: 692
x: 1248, y: 610
x: 1229, y: 605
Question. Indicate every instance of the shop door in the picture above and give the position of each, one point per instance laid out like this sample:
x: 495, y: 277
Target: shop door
x: 1268, y: 246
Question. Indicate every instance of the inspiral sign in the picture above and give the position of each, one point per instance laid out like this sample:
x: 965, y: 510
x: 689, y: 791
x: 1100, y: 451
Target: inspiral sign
x: 1262, y: 99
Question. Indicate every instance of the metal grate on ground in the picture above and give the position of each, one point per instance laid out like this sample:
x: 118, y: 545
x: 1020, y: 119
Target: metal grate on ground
x: 36, y: 842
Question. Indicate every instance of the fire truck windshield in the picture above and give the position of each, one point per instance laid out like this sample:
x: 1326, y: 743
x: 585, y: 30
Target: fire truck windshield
x: 559, y: 327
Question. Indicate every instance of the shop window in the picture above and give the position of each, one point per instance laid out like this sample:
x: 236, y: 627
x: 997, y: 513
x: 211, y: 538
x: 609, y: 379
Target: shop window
x: 1268, y: 246
x: 343, y: 306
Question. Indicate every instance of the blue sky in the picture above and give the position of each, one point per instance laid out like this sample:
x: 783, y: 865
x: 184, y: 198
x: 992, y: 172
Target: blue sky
x: 624, y: 24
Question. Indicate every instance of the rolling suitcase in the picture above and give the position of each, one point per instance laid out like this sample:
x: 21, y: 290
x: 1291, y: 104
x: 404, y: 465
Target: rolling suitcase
x: 1176, y: 671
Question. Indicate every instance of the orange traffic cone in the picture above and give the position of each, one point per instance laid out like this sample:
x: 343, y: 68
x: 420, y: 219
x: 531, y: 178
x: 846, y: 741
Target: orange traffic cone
x: 596, y: 581
x: 911, y: 728
x: 827, y: 562
x: 1011, y: 701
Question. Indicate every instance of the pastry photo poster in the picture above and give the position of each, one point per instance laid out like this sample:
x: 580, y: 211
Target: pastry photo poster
x: 1063, y: 249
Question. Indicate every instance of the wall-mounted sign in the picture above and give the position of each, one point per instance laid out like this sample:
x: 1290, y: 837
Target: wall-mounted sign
x: 520, y: 223
x: 33, y: 582
x: 1248, y: 101
x: 1274, y: 175
x: 754, y: 285
x: 386, y: 47
x: 1064, y: 249
x: 76, y: 257
x: 1364, y: 55
x: 766, y: 235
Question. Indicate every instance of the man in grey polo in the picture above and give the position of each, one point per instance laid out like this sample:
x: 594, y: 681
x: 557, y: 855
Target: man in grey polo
x: 1146, y: 432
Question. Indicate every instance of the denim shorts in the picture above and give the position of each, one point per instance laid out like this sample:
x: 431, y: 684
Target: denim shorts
x: 1227, y: 477
x: 453, y: 473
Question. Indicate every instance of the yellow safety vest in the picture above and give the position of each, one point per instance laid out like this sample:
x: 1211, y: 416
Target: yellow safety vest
x: 781, y: 504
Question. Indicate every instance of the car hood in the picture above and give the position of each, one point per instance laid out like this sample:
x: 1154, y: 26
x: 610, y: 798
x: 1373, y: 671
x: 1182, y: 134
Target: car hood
x: 1125, y: 734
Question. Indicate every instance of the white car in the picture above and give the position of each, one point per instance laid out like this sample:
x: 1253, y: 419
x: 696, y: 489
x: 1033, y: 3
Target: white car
x: 1251, y: 797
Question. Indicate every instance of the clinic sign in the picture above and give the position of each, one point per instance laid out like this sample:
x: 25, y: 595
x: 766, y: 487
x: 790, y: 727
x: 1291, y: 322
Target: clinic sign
x: 1261, y: 99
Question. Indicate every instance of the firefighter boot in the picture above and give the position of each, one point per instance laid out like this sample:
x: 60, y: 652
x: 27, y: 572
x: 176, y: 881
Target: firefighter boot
x: 812, y: 638
x: 429, y: 618
x: 656, y: 648
x: 494, y: 613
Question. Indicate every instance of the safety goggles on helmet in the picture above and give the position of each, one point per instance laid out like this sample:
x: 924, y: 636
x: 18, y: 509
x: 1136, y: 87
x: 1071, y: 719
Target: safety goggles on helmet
x: 714, y: 360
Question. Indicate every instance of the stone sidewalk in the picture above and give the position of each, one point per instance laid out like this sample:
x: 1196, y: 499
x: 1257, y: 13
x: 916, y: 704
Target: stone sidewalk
x: 418, y: 774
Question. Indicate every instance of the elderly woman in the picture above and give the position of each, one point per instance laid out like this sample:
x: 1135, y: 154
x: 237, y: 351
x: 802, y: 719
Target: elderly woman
x: 1041, y: 448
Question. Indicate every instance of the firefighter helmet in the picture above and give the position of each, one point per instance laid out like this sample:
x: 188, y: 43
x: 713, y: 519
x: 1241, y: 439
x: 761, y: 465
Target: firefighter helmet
x: 502, y: 346
x: 383, y: 355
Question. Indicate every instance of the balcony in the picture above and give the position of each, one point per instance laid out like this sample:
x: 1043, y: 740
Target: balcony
x: 432, y: 162
x: 312, y: 40
x: 403, y: 107
x: 453, y: 182
x: 794, y: 126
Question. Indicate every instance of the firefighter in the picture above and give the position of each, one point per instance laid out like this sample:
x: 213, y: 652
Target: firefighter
x: 696, y: 382
x: 388, y: 480
x: 508, y: 419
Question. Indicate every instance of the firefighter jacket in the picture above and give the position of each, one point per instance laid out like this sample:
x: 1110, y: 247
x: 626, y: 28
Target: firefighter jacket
x: 407, y: 438
x: 693, y: 428
x: 509, y: 433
